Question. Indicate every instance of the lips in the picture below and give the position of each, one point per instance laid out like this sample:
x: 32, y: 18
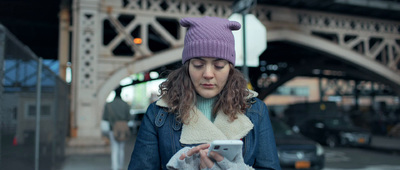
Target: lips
x: 208, y: 86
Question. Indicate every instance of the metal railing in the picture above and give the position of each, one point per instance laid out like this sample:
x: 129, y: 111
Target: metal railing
x: 34, y: 109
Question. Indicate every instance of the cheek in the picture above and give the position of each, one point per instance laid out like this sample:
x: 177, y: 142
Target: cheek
x: 192, y: 75
x: 224, y: 78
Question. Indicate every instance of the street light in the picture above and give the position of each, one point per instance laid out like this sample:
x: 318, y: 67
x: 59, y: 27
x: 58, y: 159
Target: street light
x: 244, y: 6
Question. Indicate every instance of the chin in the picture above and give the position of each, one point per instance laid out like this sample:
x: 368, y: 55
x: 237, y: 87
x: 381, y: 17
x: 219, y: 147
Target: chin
x: 207, y: 95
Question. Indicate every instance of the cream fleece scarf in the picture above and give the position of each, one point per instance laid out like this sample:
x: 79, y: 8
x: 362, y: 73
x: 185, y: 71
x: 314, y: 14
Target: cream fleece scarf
x: 202, y: 130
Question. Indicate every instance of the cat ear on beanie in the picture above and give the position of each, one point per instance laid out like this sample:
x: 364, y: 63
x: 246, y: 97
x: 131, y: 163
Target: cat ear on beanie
x: 233, y: 25
x: 186, y: 22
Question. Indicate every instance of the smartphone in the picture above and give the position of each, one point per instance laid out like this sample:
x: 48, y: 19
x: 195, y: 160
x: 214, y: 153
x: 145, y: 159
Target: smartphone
x: 227, y: 148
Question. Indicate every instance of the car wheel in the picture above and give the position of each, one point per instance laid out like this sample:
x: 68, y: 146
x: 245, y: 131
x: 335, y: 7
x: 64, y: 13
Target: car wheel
x: 331, y: 141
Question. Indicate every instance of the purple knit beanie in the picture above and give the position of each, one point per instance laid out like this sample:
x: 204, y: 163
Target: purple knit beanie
x: 209, y: 37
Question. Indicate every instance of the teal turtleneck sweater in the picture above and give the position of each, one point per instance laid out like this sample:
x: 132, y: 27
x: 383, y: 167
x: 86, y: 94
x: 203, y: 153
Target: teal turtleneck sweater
x: 206, y: 106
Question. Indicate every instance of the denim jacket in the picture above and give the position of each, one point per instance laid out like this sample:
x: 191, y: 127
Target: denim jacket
x: 160, y: 133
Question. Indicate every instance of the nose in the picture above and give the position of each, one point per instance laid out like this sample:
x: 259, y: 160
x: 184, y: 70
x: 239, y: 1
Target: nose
x: 208, y: 73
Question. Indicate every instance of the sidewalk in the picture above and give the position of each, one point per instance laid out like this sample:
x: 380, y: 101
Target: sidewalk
x: 386, y: 144
x: 94, y: 158
x: 87, y: 162
x: 98, y: 158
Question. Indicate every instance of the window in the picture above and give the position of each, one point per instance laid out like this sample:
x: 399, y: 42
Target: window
x: 45, y: 110
x: 293, y: 91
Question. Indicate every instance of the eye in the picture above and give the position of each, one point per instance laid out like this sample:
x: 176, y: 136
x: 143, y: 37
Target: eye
x: 219, y: 67
x: 197, y: 65
x: 220, y: 64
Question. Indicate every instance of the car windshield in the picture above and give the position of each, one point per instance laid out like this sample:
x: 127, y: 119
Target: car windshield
x: 281, y: 129
x: 337, y: 122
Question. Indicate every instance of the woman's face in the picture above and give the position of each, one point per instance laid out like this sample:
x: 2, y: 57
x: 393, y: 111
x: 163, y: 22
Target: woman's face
x: 208, y: 75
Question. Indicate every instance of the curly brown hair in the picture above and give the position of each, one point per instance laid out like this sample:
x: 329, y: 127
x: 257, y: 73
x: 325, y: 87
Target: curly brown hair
x: 180, y: 94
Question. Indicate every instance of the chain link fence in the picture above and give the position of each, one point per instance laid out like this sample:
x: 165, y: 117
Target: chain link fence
x: 22, y: 145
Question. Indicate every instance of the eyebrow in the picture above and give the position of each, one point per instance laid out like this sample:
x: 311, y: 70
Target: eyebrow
x: 215, y: 59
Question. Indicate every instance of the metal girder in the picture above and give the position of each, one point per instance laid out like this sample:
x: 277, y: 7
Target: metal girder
x: 386, y: 5
x: 101, y: 28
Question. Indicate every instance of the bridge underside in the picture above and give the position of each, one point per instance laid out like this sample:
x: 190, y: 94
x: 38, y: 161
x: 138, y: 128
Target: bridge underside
x: 292, y: 60
x: 104, y: 52
x: 287, y: 60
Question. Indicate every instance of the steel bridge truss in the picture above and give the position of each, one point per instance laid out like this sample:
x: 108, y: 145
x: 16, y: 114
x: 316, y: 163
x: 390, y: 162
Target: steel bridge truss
x: 104, y: 52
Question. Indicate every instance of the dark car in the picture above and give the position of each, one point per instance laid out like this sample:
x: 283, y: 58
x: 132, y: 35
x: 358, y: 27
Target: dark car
x: 334, y: 131
x: 296, y: 151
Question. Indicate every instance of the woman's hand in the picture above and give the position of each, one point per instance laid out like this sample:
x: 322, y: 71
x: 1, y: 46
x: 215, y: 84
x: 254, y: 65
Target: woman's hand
x: 194, y: 150
x: 206, y: 162
x: 188, y: 158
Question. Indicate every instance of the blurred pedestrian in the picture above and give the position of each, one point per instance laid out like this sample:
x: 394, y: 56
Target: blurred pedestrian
x: 117, y: 114
x: 205, y: 100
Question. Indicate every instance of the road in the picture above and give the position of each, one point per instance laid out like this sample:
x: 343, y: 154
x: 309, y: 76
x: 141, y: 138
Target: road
x: 360, y: 159
x: 341, y: 158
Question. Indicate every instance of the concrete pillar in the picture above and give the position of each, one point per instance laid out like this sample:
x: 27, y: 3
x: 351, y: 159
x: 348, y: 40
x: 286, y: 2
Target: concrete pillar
x: 64, y: 41
x: 2, y: 51
x: 85, y: 122
x: 356, y: 96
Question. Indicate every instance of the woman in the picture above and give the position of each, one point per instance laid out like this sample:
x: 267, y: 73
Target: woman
x: 206, y: 99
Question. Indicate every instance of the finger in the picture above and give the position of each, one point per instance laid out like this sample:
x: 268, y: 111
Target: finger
x: 197, y: 149
x: 205, y: 159
x: 182, y: 156
x: 216, y: 156
x: 202, y: 165
x: 204, y: 146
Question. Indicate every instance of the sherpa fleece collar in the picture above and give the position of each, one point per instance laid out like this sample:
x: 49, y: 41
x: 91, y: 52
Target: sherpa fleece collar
x: 202, y: 130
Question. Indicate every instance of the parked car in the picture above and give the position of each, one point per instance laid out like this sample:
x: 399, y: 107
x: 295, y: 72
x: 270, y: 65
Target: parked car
x: 334, y: 131
x: 295, y: 151
x: 136, y: 119
x: 298, y: 112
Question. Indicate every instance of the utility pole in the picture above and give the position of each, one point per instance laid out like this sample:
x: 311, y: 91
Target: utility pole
x: 38, y: 112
